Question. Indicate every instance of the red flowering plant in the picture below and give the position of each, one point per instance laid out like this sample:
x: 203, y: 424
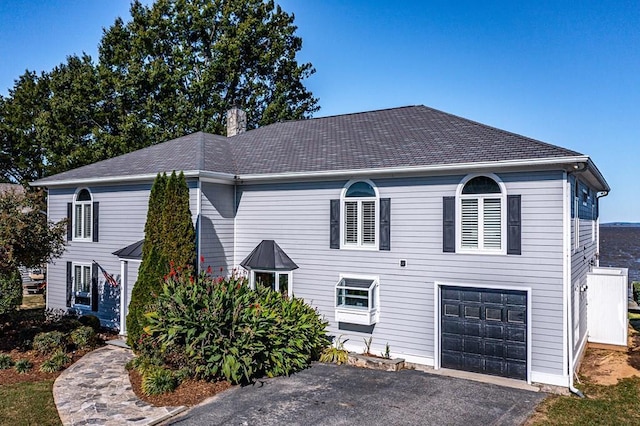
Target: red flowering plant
x: 225, y: 330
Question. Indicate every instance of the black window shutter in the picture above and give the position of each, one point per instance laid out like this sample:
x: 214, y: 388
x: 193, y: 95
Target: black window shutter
x: 69, y: 221
x: 334, y: 225
x: 449, y: 224
x: 94, y: 287
x: 96, y: 220
x: 385, y: 223
x: 69, y: 284
x: 514, y: 225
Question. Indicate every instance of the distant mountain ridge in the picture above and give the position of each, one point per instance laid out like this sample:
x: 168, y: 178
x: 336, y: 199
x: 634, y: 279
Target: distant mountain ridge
x: 620, y: 224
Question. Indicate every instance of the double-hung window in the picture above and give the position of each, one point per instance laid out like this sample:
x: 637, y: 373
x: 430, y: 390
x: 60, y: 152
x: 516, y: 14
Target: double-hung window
x: 481, y: 217
x: 357, y: 300
x: 82, y: 215
x: 360, y: 215
x: 82, y: 284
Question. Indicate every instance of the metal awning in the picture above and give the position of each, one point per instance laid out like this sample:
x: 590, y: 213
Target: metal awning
x: 132, y: 251
x: 268, y: 256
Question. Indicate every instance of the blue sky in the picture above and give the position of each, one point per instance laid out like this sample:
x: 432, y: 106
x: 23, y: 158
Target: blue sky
x: 567, y: 73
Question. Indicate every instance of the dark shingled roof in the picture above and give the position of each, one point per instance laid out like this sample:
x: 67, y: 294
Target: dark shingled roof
x: 268, y: 256
x: 132, y: 251
x: 410, y: 136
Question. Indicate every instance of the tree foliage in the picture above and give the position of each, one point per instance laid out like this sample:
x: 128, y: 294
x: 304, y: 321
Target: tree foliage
x: 169, y: 239
x: 173, y: 68
x: 27, y: 238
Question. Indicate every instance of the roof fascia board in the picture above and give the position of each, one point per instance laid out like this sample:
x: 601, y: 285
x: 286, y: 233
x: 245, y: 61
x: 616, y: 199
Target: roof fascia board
x: 542, y: 163
x: 209, y: 176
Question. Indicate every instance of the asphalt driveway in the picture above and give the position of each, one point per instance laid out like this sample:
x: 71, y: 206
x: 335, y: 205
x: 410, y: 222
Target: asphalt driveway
x: 326, y: 394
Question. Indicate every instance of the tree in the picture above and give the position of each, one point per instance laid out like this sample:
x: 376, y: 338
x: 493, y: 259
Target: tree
x: 169, y: 239
x: 27, y: 239
x: 179, y: 65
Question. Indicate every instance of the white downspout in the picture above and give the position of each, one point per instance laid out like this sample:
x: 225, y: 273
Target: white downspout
x: 124, y: 281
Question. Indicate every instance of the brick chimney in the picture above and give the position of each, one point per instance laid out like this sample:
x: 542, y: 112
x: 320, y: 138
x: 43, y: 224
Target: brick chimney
x: 236, y: 121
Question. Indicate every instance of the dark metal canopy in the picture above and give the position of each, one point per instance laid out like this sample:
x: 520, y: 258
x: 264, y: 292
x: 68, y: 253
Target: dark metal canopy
x: 132, y: 251
x: 268, y: 256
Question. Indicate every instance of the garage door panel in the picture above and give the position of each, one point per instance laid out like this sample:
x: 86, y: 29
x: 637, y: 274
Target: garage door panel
x: 494, y: 331
x: 485, y: 331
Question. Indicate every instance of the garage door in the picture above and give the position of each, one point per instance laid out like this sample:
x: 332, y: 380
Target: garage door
x: 484, y: 331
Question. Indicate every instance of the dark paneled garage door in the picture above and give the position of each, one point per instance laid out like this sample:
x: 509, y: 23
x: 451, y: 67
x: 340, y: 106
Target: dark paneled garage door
x: 484, y: 331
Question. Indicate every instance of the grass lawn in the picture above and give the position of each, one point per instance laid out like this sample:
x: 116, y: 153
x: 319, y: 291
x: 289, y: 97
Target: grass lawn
x: 32, y: 301
x: 28, y: 404
x: 604, y: 405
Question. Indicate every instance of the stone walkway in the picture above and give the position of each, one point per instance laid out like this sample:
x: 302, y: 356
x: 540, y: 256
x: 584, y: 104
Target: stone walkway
x: 96, y: 390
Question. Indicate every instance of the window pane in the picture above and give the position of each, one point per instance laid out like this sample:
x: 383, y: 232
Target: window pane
x: 351, y: 222
x: 266, y: 279
x: 83, y: 195
x: 86, y: 281
x: 481, y: 185
x: 78, y: 221
x: 492, y: 223
x: 87, y: 221
x: 77, y: 277
x: 469, y: 228
x: 284, y: 284
x: 368, y: 222
x: 360, y: 189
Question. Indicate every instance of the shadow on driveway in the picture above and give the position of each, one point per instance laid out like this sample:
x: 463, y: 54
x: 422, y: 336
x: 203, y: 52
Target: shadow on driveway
x: 326, y: 394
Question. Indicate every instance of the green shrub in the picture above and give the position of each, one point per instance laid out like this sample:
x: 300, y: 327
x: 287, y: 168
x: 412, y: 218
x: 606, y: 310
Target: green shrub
x: 5, y: 362
x: 83, y: 337
x: 26, y: 336
x: 636, y: 291
x: 158, y: 380
x: 90, y: 321
x: 10, y: 290
x: 23, y: 365
x: 56, y: 362
x: 225, y: 330
x: 45, y: 343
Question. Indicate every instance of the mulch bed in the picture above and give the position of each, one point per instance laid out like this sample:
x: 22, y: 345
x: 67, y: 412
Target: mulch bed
x: 189, y: 393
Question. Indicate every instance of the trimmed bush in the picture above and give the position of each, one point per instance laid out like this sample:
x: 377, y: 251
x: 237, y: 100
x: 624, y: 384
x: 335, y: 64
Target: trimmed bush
x: 636, y: 291
x: 23, y: 365
x: 225, y: 330
x: 90, y: 321
x: 83, y: 337
x: 46, y: 343
x: 5, y: 362
x: 158, y: 380
x: 56, y: 362
x: 10, y: 290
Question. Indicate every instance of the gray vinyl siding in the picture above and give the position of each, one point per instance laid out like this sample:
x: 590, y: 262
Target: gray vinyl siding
x: 122, y: 216
x: 583, y: 256
x: 216, y: 222
x: 297, y: 217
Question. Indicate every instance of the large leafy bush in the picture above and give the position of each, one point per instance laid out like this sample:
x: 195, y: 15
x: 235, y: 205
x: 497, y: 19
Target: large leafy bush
x: 218, y: 328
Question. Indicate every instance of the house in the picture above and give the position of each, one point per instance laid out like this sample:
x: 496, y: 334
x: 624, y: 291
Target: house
x: 459, y: 245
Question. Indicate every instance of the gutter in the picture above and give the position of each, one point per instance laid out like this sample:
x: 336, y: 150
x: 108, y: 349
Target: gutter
x: 203, y: 175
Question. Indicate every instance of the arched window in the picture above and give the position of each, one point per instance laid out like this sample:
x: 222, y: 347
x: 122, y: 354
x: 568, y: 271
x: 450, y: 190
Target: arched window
x: 481, y: 206
x: 360, y: 215
x: 82, y: 215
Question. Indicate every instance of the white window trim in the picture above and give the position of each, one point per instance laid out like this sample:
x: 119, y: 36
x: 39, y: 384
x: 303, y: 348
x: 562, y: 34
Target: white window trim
x: 343, y: 199
x: 480, y: 197
x: 355, y: 315
x: 289, y: 274
x: 85, y: 204
x: 73, y: 278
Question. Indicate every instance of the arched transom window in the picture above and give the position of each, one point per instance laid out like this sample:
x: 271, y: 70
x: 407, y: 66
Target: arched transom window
x: 482, y: 206
x: 82, y: 215
x: 359, y: 212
